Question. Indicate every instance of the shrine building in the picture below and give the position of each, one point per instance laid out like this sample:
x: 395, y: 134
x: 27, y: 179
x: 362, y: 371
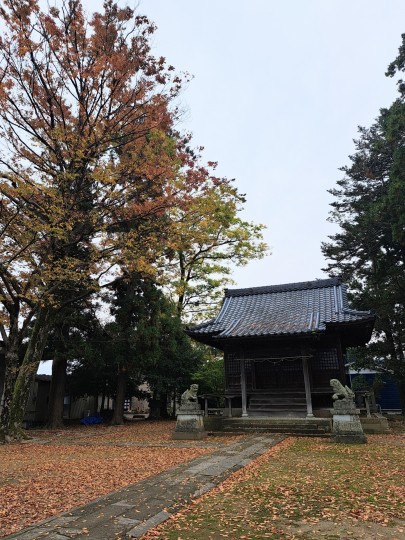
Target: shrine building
x: 283, y: 343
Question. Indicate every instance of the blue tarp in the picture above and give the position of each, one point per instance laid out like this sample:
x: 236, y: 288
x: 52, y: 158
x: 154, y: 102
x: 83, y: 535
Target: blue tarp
x: 387, y: 395
x: 89, y: 420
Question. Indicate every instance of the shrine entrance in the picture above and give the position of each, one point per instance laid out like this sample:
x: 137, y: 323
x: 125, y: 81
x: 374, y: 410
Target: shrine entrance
x: 268, y: 375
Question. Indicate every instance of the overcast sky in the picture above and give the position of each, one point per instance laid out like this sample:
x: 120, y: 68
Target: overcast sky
x: 279, y: 89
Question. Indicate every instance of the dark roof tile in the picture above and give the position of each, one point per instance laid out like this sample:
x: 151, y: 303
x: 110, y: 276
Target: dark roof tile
x: 293, y: 308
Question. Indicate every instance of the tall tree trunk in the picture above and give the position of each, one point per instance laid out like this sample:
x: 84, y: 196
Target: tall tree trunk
x: 118, y: 416
x: 12, y: 364
x: 401, y: 386
x: 2, y: 375
x: 154, y: 407
x: 57, y: 392
x: 95, y: 404
x: 181, y: 296
x: 26, y: 374
x: 102, y: 405
x: 58, y: 382
x: 397, y: 367
x: 163, y: 405
x: 174, y: 403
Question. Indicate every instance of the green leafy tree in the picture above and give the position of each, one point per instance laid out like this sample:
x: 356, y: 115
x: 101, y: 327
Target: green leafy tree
x: 76, y: 339
x: 210, y: 376
x: 133, y: 335
x: 145, y: 342
x: 172, y: 369
x: 208, y: 237
x: 369, y: 249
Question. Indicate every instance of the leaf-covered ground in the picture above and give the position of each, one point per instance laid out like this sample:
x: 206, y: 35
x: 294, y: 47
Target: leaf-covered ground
x: 304, y: 489
x: 59, y: 470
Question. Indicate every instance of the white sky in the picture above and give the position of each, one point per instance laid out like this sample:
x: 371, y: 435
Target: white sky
x: 278, y: 92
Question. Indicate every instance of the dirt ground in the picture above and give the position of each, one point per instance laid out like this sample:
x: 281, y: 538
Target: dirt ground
x: 58, y: 470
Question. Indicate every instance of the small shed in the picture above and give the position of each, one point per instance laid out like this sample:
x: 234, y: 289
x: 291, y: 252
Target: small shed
x: 283, y: 343
x: 36, y: 411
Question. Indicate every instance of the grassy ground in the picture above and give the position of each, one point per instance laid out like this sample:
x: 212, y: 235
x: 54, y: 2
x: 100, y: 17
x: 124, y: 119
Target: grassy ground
x: 303, y: 488
x: 308, y: 489
x: 61, y: 469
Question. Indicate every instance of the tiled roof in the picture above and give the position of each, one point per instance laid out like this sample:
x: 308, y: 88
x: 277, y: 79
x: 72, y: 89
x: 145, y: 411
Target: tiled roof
x: 293, y: 308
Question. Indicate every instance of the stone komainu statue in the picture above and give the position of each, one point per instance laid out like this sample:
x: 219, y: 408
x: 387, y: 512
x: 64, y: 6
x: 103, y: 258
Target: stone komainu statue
x: 190, y: 395
x: 340, y: 391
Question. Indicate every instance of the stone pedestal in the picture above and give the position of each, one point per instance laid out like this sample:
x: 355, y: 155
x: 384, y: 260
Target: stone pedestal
x: 346, y: 426
x: 190, y: 423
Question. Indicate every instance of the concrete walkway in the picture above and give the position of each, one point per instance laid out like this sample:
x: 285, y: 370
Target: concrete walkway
x: 133, y: 510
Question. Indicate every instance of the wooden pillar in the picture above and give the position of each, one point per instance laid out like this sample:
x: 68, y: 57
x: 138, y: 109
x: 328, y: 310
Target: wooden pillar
x: 229, y: 407
x: 342, y: 367
x: 307, y: 383
x: 243, y: 387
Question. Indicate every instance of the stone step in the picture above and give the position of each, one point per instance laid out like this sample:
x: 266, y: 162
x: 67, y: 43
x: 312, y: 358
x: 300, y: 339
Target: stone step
x: 276, y: 413
x: 257, y: 415
x: 288, y: 430
x: 277, y: 404
x: 278, y: 394
x: 269, y: 422
x: 294, y: 426
x: 286, y: 406
x: 278, y: 399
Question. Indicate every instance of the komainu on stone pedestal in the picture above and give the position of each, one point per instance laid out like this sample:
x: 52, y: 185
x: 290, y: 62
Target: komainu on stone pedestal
x: 190, y: 417
x: 189, y: 399
x: 346, y: 426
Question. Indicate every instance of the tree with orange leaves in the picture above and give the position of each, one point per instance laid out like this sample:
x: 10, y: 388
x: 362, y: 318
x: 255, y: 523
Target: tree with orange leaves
x: 88, y: 171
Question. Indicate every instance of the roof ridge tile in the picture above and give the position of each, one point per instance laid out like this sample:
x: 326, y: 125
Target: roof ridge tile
x: 286, y: 287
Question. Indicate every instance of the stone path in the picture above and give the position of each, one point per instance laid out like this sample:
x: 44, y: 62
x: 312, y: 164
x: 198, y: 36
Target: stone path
x: 133, y: 510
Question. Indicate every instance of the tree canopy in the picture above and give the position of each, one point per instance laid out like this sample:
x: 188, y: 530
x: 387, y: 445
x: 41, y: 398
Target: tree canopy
x: 208, y: 236
x: 85, y: 115
x: 369, y: 249
x: 96, y: 182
